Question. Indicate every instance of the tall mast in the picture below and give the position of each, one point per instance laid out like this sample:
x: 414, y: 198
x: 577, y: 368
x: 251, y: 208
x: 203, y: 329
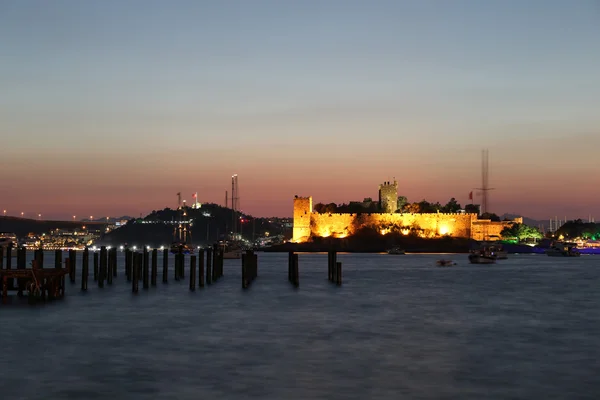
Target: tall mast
x: 484, y: 181
x: 234, y: 203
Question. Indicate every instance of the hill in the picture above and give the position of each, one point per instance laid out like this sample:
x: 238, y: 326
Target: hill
x: 209, y: 224
x: 23, y: 226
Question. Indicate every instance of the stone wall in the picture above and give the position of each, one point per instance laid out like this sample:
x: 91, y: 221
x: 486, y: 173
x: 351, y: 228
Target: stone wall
x: 485, y: 229
x: 308, y: 223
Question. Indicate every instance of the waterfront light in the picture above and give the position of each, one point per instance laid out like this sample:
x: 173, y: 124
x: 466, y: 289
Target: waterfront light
x: 134, y: 248
x: 5, y: 213
x: 108, y: 248
x: 162, y: 247
x: 122, y: 247
x: 148, y: 247
x: 22, y: 213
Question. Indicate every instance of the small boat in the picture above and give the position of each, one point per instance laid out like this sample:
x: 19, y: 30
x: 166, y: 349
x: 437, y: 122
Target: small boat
x: 396, y: 250
x: 176, y: 247
x: 445, y: 263
x: 482, y: 257
x: 494, y: 249
x: 559, y: 249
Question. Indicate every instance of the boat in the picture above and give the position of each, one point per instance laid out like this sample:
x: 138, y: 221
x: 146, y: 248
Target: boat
x: 499, y: 252
x: 484, y: 255
x: 445, y: 263
x: 184, y: 248
x: 232, y: 250
x: 494, y: 249
x: 560, y: 249
x: 396, y: 250
x: 8, y: 238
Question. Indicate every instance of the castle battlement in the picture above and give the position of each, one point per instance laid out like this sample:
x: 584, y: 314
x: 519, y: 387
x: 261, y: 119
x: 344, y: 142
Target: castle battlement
x: 308, y: 223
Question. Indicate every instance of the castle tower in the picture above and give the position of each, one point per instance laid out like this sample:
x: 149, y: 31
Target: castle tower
x: 388, y: 197
x: 302, y: 213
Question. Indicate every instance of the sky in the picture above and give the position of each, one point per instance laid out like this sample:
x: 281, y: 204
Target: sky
x: 112, y: 107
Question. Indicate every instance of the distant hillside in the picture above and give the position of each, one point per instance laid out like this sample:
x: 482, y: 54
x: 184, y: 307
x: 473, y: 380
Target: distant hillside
x: 23, y: 226
x: 210, y: 223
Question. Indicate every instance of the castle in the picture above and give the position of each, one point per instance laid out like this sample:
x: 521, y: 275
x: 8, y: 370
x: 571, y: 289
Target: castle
x: 308, y: 223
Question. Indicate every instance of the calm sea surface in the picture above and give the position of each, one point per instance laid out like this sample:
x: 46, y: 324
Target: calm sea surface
x: 399, y: 328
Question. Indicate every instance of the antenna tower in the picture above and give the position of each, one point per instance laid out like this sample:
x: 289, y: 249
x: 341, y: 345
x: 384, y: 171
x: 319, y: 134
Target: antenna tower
x: 234, y: 202
x: 484, y: 181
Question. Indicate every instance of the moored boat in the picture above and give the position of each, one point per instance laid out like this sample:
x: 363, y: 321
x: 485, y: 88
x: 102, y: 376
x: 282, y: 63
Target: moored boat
x: 484, y: 255
x: 445, y: 263
x: 560, y: 249
x: 396, y: 250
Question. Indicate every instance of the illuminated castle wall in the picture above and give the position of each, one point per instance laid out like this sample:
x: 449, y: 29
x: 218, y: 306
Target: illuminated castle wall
x: 308, y: 224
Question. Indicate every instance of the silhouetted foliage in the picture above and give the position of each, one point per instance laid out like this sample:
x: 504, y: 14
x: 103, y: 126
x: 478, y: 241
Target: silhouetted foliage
x: 521, y: 232
x: 491, y: 216
x: 580, y: 229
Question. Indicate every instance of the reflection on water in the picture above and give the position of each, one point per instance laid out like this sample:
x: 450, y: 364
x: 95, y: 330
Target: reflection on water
x: 526, y: 328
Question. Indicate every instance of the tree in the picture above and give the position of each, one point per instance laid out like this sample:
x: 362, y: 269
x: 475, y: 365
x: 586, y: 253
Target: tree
x: 491, y: 216
x: 402, y: 200
x: 452, y: 206
x: 472, y: 208
x: 411, y: 208
x: 521, y: 232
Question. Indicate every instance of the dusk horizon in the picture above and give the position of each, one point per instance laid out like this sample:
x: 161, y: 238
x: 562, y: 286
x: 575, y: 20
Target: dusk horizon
x: 112, y: 108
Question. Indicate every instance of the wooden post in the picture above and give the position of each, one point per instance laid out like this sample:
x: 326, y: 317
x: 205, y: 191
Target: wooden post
x: 57, y: 259
x: 128, y: 264
x: 114, y: 263
x: 181, y: 264
x: 1, y: 257
x: 110, y: 265
x: 96, y: 266
x: 85, y: 269
x: 135, y: 271
x: 201, y: 268
x: 177, y: 267
x: 192, y: 273
x: 208, y: 266
x: 165, y: 277
x: 244, y: 271
x: 103, y: 267
x: 9, y: 255
x: 215, y: 265
x: 296, y: 280
x: 290, y: 266
x: 72, y: 265
x: 154, y: 267
x: 146, y: 271
x: 338, y: 273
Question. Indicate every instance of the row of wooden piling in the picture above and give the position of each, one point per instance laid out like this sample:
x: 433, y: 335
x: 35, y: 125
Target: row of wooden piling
x: 249, y: 268
x: 144, y: 267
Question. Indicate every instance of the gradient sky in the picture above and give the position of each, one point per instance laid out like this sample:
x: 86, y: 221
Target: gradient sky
x: 112, y: 107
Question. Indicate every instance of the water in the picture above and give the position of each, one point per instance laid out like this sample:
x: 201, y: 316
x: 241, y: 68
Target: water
x: 398, y: 328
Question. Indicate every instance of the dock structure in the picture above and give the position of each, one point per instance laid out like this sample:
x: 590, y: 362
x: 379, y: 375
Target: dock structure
x: 40, y: 284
